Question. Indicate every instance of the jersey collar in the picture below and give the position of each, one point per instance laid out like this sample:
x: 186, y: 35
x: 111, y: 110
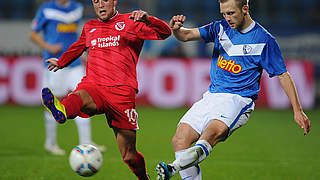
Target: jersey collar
x: 251, y: 26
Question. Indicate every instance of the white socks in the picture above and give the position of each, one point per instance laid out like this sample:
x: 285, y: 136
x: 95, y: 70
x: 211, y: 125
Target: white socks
x: 84, y: 130
x: 51, y: 129
x: 193, y: 172
x: 190, y: 157
x: 83, y: 124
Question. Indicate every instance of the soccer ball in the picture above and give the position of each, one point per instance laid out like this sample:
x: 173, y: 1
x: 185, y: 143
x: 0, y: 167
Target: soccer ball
x: 85, y: 159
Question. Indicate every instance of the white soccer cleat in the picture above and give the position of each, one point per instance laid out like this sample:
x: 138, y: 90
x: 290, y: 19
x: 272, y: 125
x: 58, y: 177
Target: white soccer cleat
x: 54, y: 149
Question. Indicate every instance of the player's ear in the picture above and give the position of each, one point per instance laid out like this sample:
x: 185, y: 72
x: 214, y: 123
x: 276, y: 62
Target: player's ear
x: 245, y: 10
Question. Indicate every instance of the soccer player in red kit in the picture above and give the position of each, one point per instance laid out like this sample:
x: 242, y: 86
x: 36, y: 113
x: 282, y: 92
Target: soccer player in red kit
x: 114, y: 42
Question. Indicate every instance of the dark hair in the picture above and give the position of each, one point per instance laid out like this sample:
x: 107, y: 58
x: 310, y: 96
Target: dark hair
x: 240, y: 3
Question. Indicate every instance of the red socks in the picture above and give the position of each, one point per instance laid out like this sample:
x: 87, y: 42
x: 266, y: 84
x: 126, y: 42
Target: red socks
x: 138, y: 166
x: 73, y: 104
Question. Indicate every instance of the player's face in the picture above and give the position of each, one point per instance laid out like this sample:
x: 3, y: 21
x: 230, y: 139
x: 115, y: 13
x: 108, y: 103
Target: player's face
x: 233, y: 14
x: 104, y: 9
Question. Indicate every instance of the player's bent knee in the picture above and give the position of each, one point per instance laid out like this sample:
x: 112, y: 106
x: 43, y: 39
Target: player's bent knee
x: 216, y: 131
x: 179, y: 143
x: 221, y: 135
x: 221, y: 129
x: 89, y: 106
x: 184, y: 137
x: 175, y: 141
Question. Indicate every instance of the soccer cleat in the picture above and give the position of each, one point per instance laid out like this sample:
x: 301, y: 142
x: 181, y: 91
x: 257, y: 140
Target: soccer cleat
x: 54, y: 106
x: 165, y: 172
x: 54, y: 149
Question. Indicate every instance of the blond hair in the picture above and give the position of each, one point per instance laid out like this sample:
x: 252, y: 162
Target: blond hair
x: 240, y: 3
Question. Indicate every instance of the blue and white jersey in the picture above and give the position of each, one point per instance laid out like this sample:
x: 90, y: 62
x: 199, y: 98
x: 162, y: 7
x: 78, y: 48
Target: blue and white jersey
x: 59, y: 25
x: 239, y: 58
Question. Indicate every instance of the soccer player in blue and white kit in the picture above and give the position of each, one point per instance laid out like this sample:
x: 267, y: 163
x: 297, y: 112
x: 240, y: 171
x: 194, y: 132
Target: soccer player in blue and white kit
x: 59, y: 21
x: 242, y: 49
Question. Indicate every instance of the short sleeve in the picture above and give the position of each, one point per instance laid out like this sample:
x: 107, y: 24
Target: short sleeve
x: 207, y: 32
x: 272, y: 60
x: 39, y: 20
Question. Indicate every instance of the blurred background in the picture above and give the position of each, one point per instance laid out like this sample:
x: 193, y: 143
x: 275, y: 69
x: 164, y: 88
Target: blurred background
x: 171, y: 75
x: 295, y: 24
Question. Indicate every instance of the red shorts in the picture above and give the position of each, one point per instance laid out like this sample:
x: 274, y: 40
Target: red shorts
x: 116, y: 102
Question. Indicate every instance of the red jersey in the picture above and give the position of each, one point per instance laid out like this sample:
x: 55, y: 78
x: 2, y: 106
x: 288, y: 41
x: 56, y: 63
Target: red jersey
x: 114, y: 47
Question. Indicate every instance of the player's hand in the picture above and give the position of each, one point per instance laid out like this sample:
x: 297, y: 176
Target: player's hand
x: 140, y: 15
x: 177, y: 21
x: 303, y: 121
x: 53, y: 64
x: 84, y: 58
x: 54, y: 48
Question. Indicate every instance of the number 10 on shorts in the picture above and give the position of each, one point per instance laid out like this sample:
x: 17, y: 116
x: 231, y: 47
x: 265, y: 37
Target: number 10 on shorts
x: 132, y: 116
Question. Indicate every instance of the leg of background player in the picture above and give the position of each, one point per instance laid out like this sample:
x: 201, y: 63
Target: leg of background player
x: 84, y: 131
x: 51, y: 135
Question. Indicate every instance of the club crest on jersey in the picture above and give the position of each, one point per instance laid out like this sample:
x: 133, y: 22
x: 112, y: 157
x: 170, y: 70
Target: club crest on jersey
x: 120, y: 26
x: 247, y: 49
x: 93, y: 42
x: 230, y: 65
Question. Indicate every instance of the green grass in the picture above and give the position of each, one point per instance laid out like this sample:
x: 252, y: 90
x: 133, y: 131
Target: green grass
x: 269, y: 147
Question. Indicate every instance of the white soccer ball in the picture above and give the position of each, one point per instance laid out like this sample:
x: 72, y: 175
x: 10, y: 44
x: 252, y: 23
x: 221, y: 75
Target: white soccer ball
x: 85, y: 159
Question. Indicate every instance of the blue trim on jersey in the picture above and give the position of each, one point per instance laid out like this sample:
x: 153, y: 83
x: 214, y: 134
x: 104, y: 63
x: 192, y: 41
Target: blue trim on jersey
x: 241, y: 112
x: 239, y: 58
x: 59, y: 25
x: 204, y: 148
x: 188, y: 177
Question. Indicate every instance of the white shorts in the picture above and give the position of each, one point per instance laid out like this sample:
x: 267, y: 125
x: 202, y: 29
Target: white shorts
x: 232, y: 109
x: 64, y: 80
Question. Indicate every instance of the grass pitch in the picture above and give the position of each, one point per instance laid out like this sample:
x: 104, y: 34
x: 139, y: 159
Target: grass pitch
x: 269, y: 147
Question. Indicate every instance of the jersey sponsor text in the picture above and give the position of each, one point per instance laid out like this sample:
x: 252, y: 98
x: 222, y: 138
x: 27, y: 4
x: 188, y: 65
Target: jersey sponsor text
x: 109, y: 41
x: 230, y: 65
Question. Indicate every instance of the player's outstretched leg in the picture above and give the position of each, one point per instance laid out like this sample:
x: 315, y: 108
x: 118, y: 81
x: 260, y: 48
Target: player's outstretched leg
x: 165, y: 172
x: 54, y: 106
x: 188, y: 158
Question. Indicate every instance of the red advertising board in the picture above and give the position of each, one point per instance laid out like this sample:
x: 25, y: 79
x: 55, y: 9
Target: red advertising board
x: 163, y: 82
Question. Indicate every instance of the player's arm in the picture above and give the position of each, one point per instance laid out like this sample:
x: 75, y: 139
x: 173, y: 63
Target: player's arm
x: 38, y: 40
x: 155, y: 25
x: 73, y: 53
x: 53, y: 64
x: 299, y: 116
x: 181, y: 33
